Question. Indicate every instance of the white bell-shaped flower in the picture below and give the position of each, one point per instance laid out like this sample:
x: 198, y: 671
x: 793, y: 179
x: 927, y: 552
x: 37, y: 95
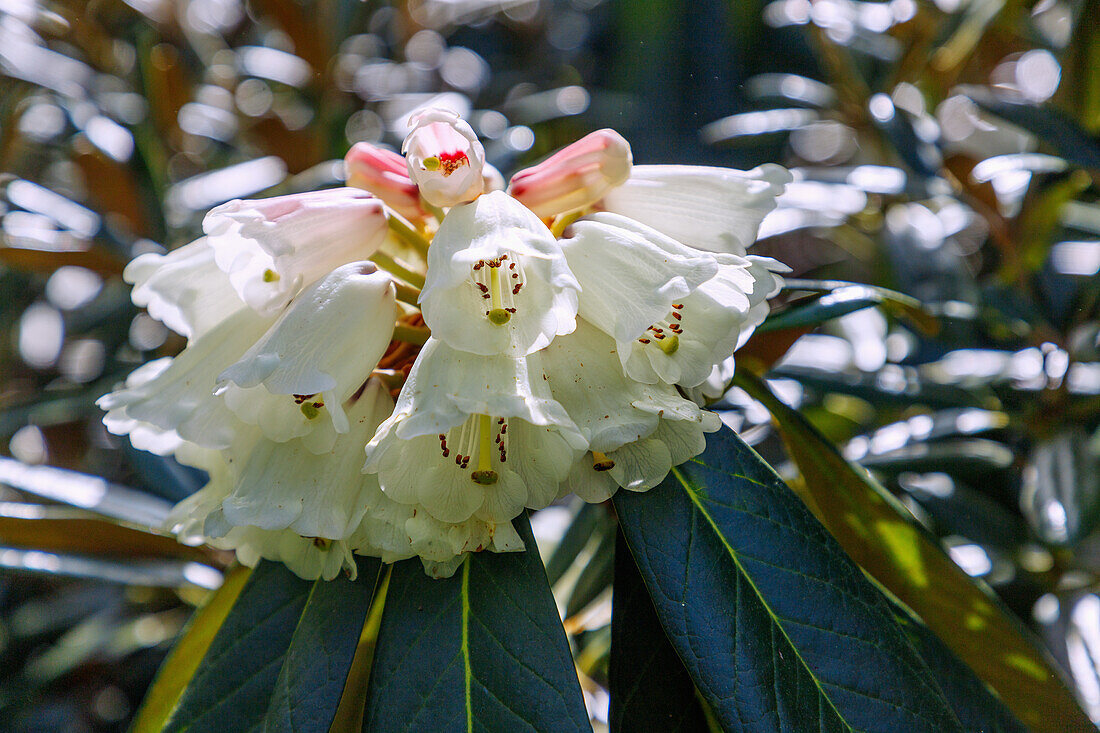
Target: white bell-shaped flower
x: 319, y: 352
x: 702, y: 329
x: 178, y: 396
x: 630, y: 274
x: 610, y: 409
x: 394, y: 531
x: 497, y: 280
x: 183, y: 289
x: 271, y: 248
x: 473, y: 436
x: 714, y: 209
x: 444, y: 158
x: 287, y: 486
x: 643, y: 464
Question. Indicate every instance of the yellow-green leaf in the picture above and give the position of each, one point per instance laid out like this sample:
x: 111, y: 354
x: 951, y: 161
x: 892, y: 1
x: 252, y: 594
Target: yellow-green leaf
x: 181, y: 664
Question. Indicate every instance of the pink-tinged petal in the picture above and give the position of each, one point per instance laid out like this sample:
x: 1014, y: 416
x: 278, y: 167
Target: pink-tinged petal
x: 576, y: 176
x: 444, y: 158
x: 384, y: 173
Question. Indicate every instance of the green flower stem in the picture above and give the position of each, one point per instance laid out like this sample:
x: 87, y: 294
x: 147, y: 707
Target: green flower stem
x: 408, y: 233
x: 396, y: 267
x: 411, y: 334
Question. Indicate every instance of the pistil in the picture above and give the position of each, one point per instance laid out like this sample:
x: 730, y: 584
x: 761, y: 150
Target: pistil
x: 484, y: 474
x: 497, y: 314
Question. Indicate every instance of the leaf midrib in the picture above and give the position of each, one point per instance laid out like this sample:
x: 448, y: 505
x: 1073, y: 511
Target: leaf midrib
x: 760, y: 596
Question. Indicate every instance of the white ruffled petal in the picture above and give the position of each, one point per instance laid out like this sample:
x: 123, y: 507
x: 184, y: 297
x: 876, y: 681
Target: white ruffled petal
x: 271, y: 248
x: 316, y: 355
x: 181, y: 397
x: 286, y: 486
x: 713, y: 209
x: 630, y: 274
x: 586, y: 377
x: 183, y: 289
x: 641, y: 465
x: 497, y: 281
x: 703, y: 329
x: 446, y: 386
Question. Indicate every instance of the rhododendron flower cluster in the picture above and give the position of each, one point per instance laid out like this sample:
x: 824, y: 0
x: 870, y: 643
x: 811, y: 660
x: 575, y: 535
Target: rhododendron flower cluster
x: 400, y: 371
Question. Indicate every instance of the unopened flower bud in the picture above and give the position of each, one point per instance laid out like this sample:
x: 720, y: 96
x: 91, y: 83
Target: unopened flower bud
x: 383, y: 173
x: 444, y: 158
x: 576, y: 176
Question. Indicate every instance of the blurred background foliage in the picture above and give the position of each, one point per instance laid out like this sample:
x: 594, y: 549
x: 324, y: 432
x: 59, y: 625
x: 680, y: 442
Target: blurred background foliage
x: 940, y: 327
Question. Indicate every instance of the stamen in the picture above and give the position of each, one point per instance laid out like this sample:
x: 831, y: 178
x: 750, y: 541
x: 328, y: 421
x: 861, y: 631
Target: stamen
x: 601, y: 462
x: 499, y: 287
x: 666, y: 333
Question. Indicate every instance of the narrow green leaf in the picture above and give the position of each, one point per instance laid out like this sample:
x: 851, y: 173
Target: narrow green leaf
x: 232, y: 686
x: 650, y: 689
x: 483, y: 650
x: 317, y: 663
x: 596, y: 575
x: 189, y: 650
x: 779, y: 629
x: 573, y: 541
x: 840, y: 298
x: 877, y: 532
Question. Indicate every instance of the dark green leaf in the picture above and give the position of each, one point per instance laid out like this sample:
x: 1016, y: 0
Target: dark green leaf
x: 650, y: 689
x: 879, y: 534
x: 778, y: 627
x: 483, y: 650
x: 232, y: 686
x: 841, y: 298
x: 316, y: 667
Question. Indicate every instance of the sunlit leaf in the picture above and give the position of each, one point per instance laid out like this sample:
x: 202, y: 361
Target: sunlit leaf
x: 779, y: 629
x: 483, y: 650
x: 877, y: 533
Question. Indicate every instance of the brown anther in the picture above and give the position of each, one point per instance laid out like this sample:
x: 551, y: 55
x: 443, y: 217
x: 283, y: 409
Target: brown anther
x: 677, y: 306
x: 643, y: 341
x: 676, y: 315
x: 510, y: 310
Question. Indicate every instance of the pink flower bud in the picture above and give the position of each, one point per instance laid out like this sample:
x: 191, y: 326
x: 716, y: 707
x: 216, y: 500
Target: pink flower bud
x: 383, y: 173
x: 444, y: 158
x: 576, y: 176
